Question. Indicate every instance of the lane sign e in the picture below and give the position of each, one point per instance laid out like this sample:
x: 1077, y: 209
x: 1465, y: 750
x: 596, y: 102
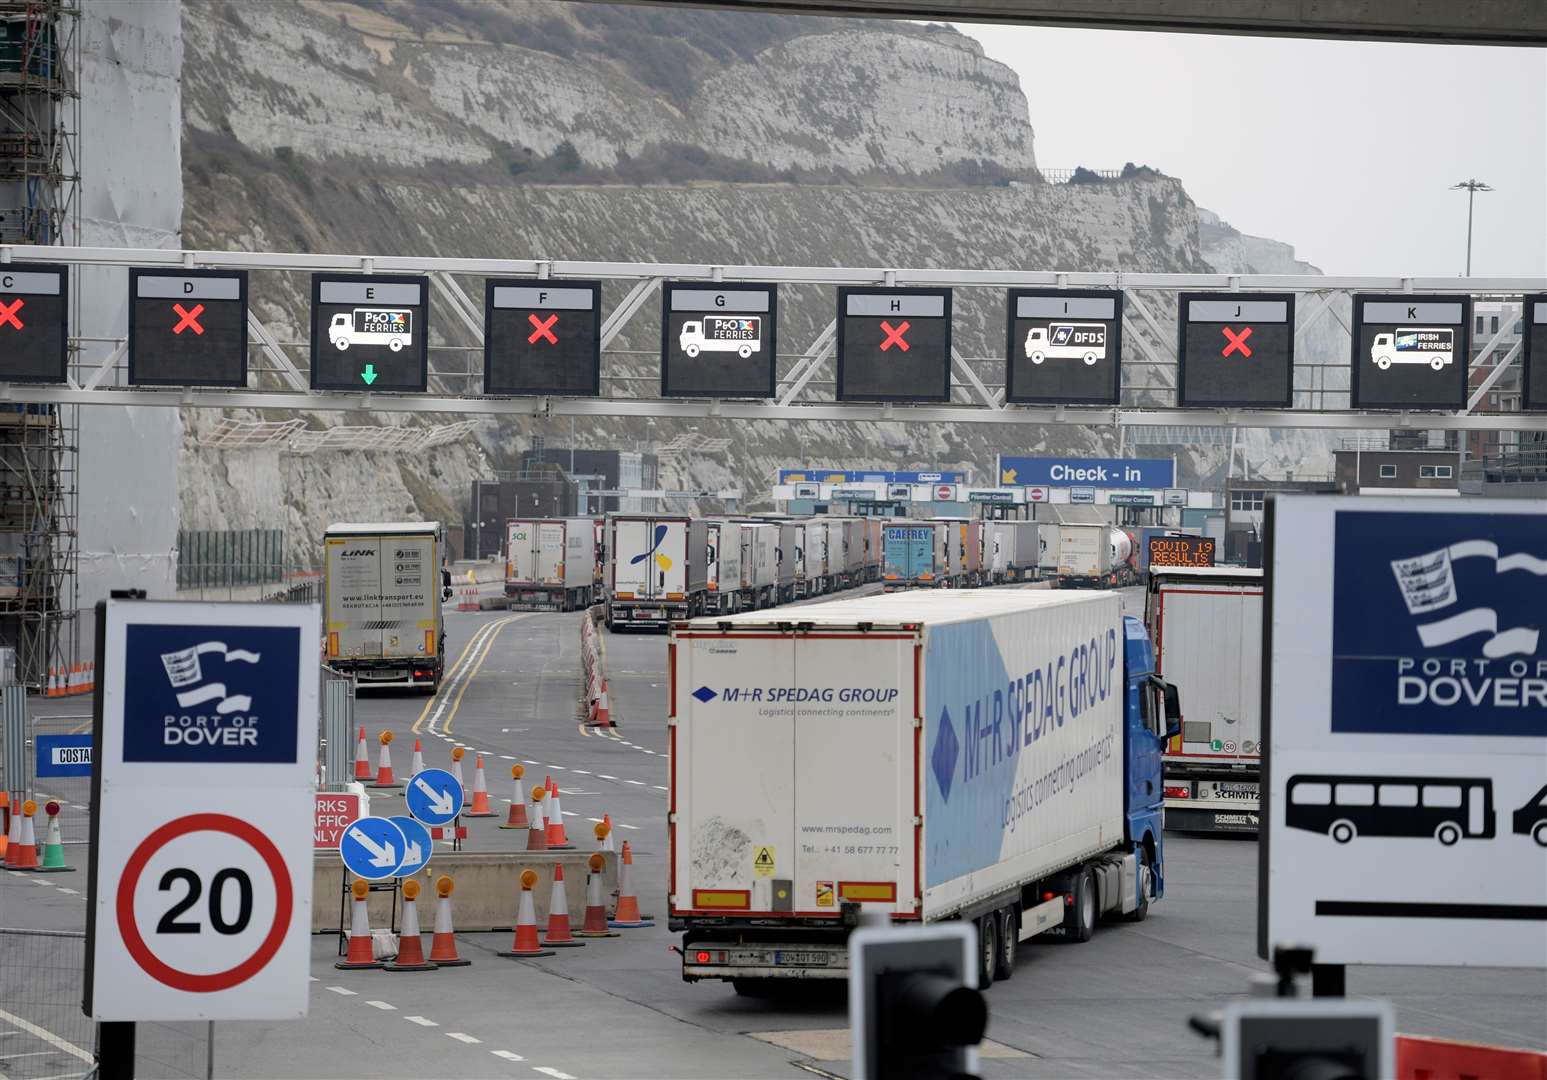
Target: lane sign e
x: 1064, y: 346
x: 34, y: 322
x: 434, y: 797
x: 1235, y: 349
x: 417, y: 847
x: 372, y: 848
x: 542, y: 337
x: 187, y: 327
x: 370, y: 332
x: 1410, y: 352
x: 894, y: 344
x: 719, y: 340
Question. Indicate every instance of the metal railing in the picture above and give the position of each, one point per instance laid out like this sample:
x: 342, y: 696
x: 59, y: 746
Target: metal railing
x: 42, y: 972
x: 223, y: 558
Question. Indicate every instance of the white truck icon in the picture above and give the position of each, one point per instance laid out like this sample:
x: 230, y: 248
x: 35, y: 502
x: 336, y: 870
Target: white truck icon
x: 1067, y: 341
x: 742, y: 335
x: 1432, y: 345
x: 392, y: 327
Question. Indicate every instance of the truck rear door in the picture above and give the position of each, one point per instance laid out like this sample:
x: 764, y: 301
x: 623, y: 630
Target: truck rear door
x: 410, y: 587
x: 633, y: 570
x: 1208, y: 643
x: 521, y: 554
x: 550, y: 552
x: 354, y: 596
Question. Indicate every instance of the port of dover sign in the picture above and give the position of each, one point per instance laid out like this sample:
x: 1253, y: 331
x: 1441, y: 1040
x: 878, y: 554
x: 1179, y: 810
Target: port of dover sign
x: 1406, y: 729
x: 199, y: 902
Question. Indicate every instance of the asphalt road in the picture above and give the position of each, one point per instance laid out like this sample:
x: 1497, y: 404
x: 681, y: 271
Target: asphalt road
x: 1115, y: 1007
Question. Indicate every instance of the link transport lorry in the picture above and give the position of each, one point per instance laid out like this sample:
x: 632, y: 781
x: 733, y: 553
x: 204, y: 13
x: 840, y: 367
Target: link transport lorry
x: 982, y: 755
x: 1206, y: 623
x: 383, y: 587
x: 550, y: 563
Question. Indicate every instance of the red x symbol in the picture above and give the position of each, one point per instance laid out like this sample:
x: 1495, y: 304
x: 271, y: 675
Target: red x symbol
x: 189, y: 319
x: 8, y: 313
x: 1237, y: 342
x: 544, y: 329
x: 894, y: 337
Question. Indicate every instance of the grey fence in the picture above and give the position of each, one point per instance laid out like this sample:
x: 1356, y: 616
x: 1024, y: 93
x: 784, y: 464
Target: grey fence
x: 229, y: 558
x: 72, y: 793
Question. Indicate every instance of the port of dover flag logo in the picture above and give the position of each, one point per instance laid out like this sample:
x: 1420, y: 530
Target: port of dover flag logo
x: 210, y: 693
x: 1437, y: 624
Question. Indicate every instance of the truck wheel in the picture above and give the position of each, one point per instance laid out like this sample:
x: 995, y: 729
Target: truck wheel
x: 341, y: 344
x: 1009, y: 941
x: 1383, y: 363
x: 1146, y: 875
x: 1080, y: 919
x: 396, y: 344
x: 988, y: 949
x: 693, y: 350
x: 1437, y: 364
x: 1036, y: 357
x: 744, y: 352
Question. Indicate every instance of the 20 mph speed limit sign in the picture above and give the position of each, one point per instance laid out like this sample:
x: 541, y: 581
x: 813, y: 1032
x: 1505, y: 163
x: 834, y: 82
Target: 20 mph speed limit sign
x: 200, y: 892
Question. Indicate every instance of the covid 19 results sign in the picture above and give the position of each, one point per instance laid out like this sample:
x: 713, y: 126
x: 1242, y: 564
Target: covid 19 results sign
x: 1406, y: 726
x: 199, y: 901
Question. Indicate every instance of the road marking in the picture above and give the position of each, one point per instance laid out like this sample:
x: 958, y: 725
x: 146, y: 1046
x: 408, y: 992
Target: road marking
x: 604, y: 776
x: 467, y: 676
x: 47, y: 1036
x: 641, y: 783
x: 620, y: 825
x: 582, y: 772
x: 658, y: 787
x: 422, y: 1021
x: 456, y: 666
x: 508, y: 757
x: 548, y: 1071
x: 343, y: 991
x: 508, y: 1055
x: 72, y: 892
x: 382, y: 1005
x: 313, y: 978
x: 462, y: 1036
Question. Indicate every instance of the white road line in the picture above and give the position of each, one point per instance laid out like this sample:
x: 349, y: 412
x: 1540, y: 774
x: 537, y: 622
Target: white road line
x: 582, y: 772
x: 658, y: 787
x: 620, y: 825
x: 604, y: 776
x: 641, y: 783
x: 72, y: 892
x: 548, y: 1071
x: 422, y: 1021
x: 508, y: 757
x: 313, y: 978
x: 382, y: 1005
x: 462, y: 1036
x: 508, y: 1055
x: 343, y: 991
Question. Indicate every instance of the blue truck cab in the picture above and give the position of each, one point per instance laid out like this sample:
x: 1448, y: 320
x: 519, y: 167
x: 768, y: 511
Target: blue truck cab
x: 1152, y: 715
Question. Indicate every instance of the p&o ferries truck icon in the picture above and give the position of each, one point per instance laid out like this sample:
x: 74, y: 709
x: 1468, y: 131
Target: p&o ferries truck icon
x: 742, y: 335
x: 1067, y: 341
x: 1434, y: 346
x: 391, y: 327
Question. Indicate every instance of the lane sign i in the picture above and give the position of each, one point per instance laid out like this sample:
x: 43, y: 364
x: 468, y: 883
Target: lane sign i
x: 1064, y: 346
x: 372, y: 848
x: 1235, y: 349
x: 34, y: 322
x: 434, y: 797
x: 187, y: 327
x: 542, y: 337
x: 417, y: 847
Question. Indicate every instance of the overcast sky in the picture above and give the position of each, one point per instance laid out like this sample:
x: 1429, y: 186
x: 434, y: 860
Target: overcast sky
x: 1344, y: 149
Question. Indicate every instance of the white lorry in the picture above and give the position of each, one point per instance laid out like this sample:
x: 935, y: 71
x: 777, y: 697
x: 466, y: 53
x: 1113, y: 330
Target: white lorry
x: 392, y: 327
x: 811, y: 575
x: 722, y: 554
x: 657, y: 569
x: 1206, y: 623
x: 1010, y: 550
x: 982, y: 755
x: 740, y: 334
x: 1432, y: 345
x: 759, y: 565
x: 550, y: 563
x: 1067, y: 341
x: 383, y: 587
x: 1085, y: 556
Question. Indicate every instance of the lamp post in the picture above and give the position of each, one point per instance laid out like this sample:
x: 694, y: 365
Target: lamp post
x: 1471, y: 187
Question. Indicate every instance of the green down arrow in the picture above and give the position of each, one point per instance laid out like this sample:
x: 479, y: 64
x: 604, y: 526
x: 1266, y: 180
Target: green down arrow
x: 369, y: 374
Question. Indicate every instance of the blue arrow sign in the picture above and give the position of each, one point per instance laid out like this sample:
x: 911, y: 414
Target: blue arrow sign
x: 372, y: 848
x: 417, y: 847
x: 434, y: 796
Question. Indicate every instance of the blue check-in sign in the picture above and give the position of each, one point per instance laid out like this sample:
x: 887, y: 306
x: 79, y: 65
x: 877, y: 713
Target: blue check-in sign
x: 64, y: 755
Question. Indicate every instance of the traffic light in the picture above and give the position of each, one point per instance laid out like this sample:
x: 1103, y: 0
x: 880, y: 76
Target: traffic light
x: 914, y: 1007
x: 1307, y: 1039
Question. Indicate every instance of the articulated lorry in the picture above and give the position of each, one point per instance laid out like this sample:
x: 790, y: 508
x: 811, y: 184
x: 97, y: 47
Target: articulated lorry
x: 657, y: 569
x: 759, y: 565
x: 550, y: 563
x: 991, y: 756
x: 1206, y: 623
x: 1094, y: 556
x: 913, y: 555
x: 722, y: 554
x: 383, y: 587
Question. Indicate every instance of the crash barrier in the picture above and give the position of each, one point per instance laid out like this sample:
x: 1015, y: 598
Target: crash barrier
x: 595, y: 706
x: 487, y: 886
x: 1421, y: 1058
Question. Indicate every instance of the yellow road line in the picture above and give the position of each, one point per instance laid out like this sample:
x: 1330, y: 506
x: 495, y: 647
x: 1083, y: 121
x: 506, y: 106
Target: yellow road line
x: 447, y: 676
x: 482, y: 656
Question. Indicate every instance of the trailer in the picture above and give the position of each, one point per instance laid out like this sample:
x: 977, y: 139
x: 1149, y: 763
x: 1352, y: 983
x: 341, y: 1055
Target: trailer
x: 550, y: 563
x: 657, y: 569
x: 1047, y: 549
x: 383, y: 590
x: 723, y: 557
x: 759, y: 565
x: 1010, y: 551
x: 913, y: 555
x: 1206, y: 623
x: 811, y: 558
x: 873, y: 547
x: 787, y: 556
x: 878, y: 761
x: 1085, y: 556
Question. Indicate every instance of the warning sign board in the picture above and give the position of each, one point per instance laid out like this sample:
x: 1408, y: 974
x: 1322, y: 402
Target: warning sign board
x: 34, y: 322
x: 542, y: 337
x: 763, y: 862
x: 201, y: 875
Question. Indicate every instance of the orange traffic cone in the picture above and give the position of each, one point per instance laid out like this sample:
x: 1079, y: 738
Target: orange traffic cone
x: 456, y: 770
x: 362, y: 758
x: 22, y: 852
x: 517, y: 818
x: 416, y: 766
x: 555, y: 815
x: 8, y: 822
x: 360, y: 954
x: 627, y: 915
x: 595, y: 911
x: 91, y: 677
x: 480, y: 807
x: 604, y: 840
x: 410, y: 949
x: 443, y: 946
x: 384, y: 763
x: 525, y: 943
x: 559, y: 936
x: 537, y: 835
x: 603, y: 712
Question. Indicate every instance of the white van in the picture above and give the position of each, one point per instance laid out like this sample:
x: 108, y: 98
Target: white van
x: 392, y: 327
x: 741, y: 334
x: 1067, y: 341
x: 1432, y: 345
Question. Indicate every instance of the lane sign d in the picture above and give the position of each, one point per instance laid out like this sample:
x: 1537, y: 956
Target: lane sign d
x: 372, y: 848
x: 434, y: 796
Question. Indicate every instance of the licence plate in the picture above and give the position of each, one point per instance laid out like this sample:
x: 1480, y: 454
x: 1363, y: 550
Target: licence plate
x: 804, y: 959
x: 1232, y: 789
x: 649, y: 613
x: 381, y: 676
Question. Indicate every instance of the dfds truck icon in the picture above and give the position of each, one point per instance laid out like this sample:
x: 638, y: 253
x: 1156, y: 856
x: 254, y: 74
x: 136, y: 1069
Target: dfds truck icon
x: 742, y: 335
x: 1067, y: 341
x: 1434, y: 346
x: 372, y: 326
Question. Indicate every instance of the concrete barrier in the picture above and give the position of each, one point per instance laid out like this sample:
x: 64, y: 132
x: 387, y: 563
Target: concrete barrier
x: 487, y: 887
